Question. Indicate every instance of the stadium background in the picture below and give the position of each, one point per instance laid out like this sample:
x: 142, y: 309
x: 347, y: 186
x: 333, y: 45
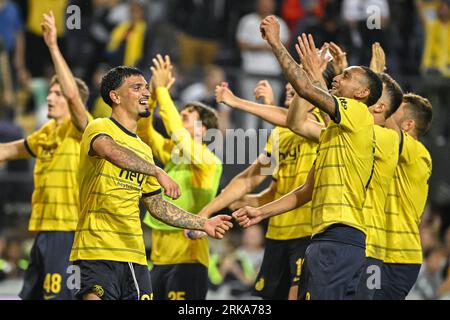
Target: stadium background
x: 414, y: 34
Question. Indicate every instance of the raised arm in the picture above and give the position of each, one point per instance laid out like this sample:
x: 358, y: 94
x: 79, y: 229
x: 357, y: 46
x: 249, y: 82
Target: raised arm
x: 103, y: 146
x: 169, y: 213
x: 161, y: 147
x: 65, y: 76
x: 298, y: 78
x: 13, y: 151
x: 300, y: 120
x: 249, y: 216
x: 274, y: 115
x: 238, y: 187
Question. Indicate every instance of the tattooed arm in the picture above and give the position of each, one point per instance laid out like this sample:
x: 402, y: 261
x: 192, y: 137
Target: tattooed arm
x: 103, y: 146
x: 298, y: 78
x: 169, y: 213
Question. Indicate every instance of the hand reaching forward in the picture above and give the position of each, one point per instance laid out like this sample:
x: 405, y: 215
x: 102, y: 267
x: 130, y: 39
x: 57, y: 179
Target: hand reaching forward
x: 171, y: 188
x: 217, y: 226
x: 48, y: 27
x: 248, y: 216
x: 270, y: 30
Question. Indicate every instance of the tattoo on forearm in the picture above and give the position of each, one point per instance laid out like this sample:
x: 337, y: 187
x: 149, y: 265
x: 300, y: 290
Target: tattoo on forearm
x: 291, y: 69
x: 128, y: 160
x: 171, y: 214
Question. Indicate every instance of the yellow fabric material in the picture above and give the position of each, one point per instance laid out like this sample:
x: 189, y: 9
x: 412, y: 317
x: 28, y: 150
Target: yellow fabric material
x: 198, y: 178
x: 405, y: 204
x: 172, y: 247
x: 294, y: 159
x: 386, y: 159
x: 343, y: 168
x: 55, y: 195
x: 110, y: 227
x: 100, y: 109
x: 36, y: 8
x: 134, y: 44
x: 437, y: 46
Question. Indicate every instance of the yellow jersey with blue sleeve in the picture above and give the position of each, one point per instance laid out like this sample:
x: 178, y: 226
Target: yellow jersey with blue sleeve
x: 294, y: 158
x: 405, y: 203
x: 386, y: 159
x: 343, y: 167
x: 109, y: 227
x: 196, y: 170
x: 55, y: 196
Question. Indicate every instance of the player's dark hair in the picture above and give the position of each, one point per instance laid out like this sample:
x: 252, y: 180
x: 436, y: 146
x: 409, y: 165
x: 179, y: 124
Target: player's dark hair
x: 421, y: 110
x: 375, y: 86
x: 207, y: 115
x: 114, y: 78
x: 394, y: 93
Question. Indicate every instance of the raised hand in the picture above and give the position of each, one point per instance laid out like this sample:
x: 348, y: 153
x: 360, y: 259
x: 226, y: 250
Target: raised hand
x: 171, y: 188
x: 217, y: 226
x: 314, y: 62
x: 264, y: 90
x: 48, y: 27
x: 162, y: 72
x: 378, y: 61
x: 270, y: 30
x: 225, y: 95
x: 247, y: 216
x: 340, y: 62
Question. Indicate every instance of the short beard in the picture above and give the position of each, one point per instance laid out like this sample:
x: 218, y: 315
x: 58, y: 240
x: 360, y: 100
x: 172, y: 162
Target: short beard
x: 144, y: 114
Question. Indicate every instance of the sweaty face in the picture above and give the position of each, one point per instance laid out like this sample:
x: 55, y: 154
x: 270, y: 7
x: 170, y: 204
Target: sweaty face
x: 349, y: 83
x: 57, y: 104
x: 133, y: 95
x: 189, y: 116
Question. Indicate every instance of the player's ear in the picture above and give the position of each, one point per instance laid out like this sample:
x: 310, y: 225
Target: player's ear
x: 114, y: 96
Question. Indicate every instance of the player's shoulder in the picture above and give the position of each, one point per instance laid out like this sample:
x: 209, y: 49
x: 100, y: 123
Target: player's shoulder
x: 415, y: 148
x: 387, y: 134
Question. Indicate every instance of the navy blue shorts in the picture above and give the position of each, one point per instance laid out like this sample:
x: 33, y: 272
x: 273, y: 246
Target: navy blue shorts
x: 370, y: 280
x: 397, y: 281
x: 333, y: 265
x: 114, y: 280
x: 281, y: 268
x: 184, y: 281
x: 49, y: 268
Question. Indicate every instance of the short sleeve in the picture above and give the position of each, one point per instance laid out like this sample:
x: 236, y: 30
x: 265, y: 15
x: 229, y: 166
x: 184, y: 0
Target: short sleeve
x: 268, y: 147
x: 151, y: 187
x: 94, y: 130
x: 351, y: 114
x: 35, y: 139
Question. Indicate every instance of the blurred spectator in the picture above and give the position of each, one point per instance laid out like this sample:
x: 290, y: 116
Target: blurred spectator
x: 12, y: 264
x: 431, y: 275
x: 231, y: 270
x: 37, y: 55
x: 130, y: 41
x: 258, y: 61
x: 253, y: 247
x: 435, y: 16
x: 204, y: 92
x: 12, y: 35
x: 301, y: 15
x: 201, y: 26
x: 362, y: 17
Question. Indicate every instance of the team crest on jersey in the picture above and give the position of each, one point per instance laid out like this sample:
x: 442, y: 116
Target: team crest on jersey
x: 260, y: 284
x: 98, y: 290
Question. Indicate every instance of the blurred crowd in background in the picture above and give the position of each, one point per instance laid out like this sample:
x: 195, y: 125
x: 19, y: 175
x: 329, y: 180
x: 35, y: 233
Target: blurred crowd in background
x: 211, y: 41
